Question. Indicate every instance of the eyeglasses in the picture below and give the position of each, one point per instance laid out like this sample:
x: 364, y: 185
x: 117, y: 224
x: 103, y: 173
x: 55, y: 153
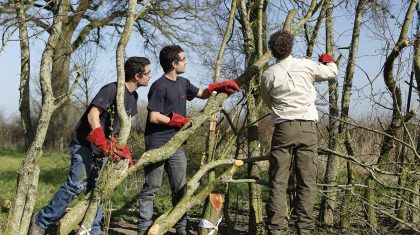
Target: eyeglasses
x: 183, y: 59
x: 148, y: 73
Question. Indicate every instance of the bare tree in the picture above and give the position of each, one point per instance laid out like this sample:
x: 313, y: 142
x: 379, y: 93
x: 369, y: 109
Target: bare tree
x: 90, y: 79
x: 19, y: 215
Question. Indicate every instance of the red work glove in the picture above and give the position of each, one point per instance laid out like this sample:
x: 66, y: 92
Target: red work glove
x: 324, y: 58
x: 97, y: 138
x: 119, y: 151
x: 177, y: 120
x: 229, y: 87
x: 112, y: 150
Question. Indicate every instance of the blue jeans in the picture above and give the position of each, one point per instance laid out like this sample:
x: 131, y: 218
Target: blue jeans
x: 83, y: 173
x: 176, y: 168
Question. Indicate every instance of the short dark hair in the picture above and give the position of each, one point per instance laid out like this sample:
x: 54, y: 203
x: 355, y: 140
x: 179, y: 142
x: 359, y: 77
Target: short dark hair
x: 135, y: 65
x: 168, y: 55
x: 281, y: 44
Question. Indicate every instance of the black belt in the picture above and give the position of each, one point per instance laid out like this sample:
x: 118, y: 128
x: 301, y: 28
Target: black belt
x: 296, y: 120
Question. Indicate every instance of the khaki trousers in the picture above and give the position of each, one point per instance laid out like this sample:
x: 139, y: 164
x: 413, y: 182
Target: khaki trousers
x: 293, y: 139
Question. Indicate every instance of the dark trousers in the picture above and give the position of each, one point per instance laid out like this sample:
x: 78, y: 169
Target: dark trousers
x: 293, y: 139
x: 176, y: 168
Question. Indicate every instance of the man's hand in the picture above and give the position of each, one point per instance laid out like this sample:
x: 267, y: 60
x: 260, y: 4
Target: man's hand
x: 229, y: 87
x: 177, y: 120
x: 119, y: 151
x: 324, y: 58
x: 97, y: 138
x: 111, y: 149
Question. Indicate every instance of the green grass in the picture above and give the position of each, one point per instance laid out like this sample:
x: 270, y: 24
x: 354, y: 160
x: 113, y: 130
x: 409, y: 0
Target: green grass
x: 54, y: 170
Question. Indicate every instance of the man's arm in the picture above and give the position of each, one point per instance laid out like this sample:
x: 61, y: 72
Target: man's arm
x: 93, y: 116
x: 158, y: 118
x: 264, y: 93
x: 229, y: 87
x: 203, y: 94
x: 326, y: 72
x: 266, y: 84
x: 173, y: 119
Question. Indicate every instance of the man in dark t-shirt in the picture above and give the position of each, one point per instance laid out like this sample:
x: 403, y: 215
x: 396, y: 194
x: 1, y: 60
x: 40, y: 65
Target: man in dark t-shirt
x: 167, y: 109
x: 90, y: 143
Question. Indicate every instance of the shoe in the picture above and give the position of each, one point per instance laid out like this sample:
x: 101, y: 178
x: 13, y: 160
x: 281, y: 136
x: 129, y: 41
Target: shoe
x: 275, y: 232
x: 181, y: 232
x: 35, y: 229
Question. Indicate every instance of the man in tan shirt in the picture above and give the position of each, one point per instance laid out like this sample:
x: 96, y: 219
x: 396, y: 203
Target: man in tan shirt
x: 287, y: 88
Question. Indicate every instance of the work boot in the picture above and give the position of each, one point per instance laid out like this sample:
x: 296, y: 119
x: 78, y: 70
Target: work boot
x: 182, y: 231
x: 141, y: 232
x: 275, y: 232
x: 35, y: 229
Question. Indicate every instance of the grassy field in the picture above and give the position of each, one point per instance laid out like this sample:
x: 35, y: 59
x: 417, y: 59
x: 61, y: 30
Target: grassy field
x: 54, y: 170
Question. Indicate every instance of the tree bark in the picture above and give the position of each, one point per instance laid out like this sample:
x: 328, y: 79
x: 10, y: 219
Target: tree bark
x: 255, y: 38
x: 24, y: 100
x: 209, y: 210
x: 125, y: 120
x: 20, y: 213
x: 213, y: 212
x: 328, y: 201
x: 311, y: 42
x: 397, y: 119
x: 344, y: 133
x: 167, y: 220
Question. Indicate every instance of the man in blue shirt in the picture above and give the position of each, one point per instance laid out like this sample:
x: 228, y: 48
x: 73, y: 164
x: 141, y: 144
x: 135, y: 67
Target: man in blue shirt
x: 90, y: 144
x: 167, y: 110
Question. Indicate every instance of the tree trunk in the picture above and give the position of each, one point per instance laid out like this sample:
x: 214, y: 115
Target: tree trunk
x: 345, y: 108
x: 24, y: 100
x: 20, y: 214
x: 59, y: 131
x: 311, y: 42
x: 253, y: 21
x: 97, y: 195
x: 60, y: 128
x: 256, y: 206
x: 328, y: 201
x: 213, y: 212
x: 414, y: 199
x: 397, y: 119
x: 209, y: 210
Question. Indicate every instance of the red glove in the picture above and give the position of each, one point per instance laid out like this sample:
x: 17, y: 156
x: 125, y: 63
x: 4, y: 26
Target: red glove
x: 177, y: 120
x: 324, y: 58
x: 113, y: 150
x: 119, y: 151
x: 229, y: 87
x: 97, y: 138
